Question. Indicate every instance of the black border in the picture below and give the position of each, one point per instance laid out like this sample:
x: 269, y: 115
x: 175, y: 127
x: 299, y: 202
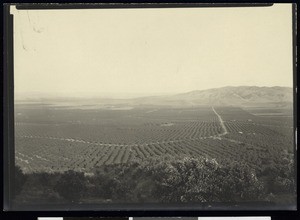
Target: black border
x: 136, y: 5
x: 8, y: 131
x: 8, y: 109
x: 295, y: 27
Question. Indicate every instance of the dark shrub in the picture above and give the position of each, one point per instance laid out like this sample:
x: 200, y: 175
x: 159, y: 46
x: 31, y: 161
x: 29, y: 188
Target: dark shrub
x: 71, y: 185
x: 180, y: 180
x: 20, y: 179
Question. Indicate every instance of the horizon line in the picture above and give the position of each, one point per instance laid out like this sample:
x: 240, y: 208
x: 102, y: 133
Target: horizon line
x: 121, y: 95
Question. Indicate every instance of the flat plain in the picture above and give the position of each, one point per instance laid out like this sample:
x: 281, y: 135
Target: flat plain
x: 51, y: 138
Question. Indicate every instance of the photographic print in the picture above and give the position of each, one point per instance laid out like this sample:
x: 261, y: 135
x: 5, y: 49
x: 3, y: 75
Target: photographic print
x: 164, y: 106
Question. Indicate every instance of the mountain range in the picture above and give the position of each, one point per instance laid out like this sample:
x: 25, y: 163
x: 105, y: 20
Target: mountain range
x: 236, y: 96
x: 229, y: 95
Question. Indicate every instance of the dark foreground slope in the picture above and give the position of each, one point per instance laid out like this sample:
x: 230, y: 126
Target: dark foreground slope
x: 161, y: 181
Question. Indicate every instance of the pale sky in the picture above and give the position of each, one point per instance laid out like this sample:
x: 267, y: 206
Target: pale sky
x: 103, y: 52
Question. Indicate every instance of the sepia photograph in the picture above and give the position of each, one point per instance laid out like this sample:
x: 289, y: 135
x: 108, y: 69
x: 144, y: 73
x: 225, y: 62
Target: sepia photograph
x: 154, y: 107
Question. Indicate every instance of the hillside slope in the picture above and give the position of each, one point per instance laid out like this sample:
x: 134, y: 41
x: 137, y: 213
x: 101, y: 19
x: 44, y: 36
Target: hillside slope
x: 237, y: 96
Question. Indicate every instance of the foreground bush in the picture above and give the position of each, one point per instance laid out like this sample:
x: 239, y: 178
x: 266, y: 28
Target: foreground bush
x: 178, y: 180
x: 166, y: 180
x: 71, y: 185
x: 20, y: 179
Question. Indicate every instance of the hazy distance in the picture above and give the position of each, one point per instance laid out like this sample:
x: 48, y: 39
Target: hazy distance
x: 141, y: 52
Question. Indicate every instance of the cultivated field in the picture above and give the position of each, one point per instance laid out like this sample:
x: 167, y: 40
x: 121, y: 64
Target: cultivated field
x: 56, y: 139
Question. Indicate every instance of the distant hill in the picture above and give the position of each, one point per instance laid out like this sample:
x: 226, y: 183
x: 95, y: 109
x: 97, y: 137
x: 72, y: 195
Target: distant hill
x: 236, y: 96
x: 233, y: 96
